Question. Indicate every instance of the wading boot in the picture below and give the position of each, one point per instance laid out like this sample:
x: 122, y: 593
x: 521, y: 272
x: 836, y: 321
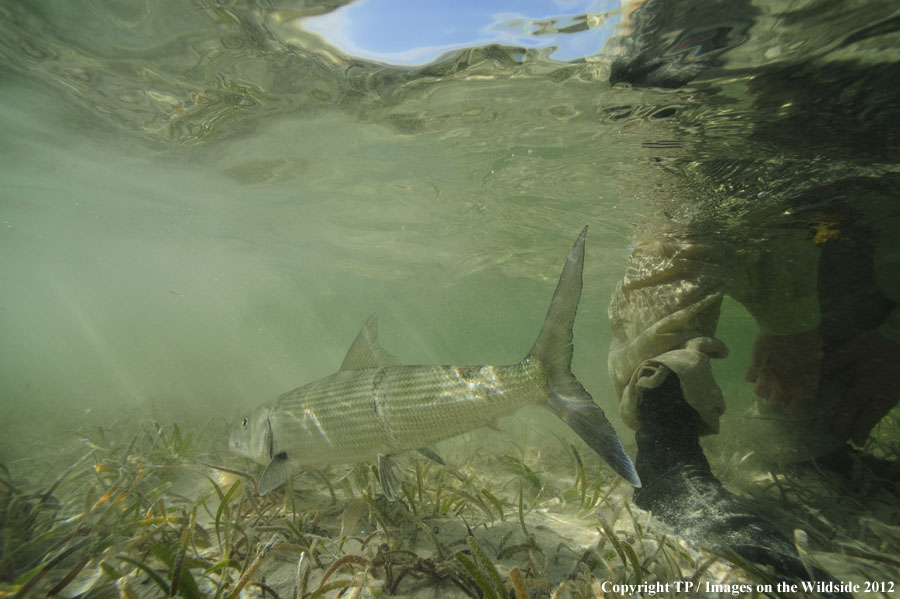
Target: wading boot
x: 679, y: 488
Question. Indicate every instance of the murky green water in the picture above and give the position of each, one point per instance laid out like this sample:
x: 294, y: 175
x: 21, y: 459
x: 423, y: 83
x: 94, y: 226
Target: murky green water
x: 203, y: 201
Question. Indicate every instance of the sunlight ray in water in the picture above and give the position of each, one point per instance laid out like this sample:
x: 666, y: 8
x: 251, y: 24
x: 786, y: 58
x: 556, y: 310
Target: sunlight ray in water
x: 202, y: 201
x: 100, y: 347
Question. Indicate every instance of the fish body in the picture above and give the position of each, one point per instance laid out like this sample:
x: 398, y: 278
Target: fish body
x: 374, y: 407
x: 354, y: 415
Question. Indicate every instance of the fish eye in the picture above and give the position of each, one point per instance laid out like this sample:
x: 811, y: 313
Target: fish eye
x: 245, y: 422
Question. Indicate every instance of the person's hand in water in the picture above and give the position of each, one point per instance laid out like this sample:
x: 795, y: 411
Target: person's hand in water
x: 786, y: 370
x: 870, y: 365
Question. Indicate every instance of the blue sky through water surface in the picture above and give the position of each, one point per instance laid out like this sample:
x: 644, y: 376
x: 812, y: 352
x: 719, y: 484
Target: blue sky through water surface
x: 418, y: 32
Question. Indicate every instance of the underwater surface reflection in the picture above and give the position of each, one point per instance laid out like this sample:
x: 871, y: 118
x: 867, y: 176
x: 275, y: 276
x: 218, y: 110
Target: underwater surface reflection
x: 202, y: 201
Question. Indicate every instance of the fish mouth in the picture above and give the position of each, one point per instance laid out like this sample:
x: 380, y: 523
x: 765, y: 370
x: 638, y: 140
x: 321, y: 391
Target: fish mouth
x: 234, y: 444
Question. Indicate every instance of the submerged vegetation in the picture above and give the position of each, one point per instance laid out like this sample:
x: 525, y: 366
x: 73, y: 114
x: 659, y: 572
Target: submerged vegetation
x: 162, y: 511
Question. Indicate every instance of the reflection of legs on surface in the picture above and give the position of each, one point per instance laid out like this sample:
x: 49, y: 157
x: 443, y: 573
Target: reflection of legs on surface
x: 680, y: 489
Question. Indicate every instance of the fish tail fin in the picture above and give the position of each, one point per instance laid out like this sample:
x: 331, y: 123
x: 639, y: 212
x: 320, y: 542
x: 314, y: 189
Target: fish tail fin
x: 566, y: 397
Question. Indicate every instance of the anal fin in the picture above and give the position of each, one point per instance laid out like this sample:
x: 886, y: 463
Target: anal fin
x: 431, y: 455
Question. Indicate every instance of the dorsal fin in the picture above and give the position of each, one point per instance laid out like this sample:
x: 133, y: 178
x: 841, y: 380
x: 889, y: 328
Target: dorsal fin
x: 365, y: 352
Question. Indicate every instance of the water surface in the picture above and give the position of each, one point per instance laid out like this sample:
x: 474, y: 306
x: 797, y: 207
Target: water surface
x: 203, y: 201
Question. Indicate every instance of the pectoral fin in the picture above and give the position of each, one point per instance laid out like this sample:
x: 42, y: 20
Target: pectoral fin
x: 275, y: 474
x: 389, y: 475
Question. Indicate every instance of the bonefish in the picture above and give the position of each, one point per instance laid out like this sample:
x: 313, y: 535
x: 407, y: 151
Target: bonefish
x: 374, y: 407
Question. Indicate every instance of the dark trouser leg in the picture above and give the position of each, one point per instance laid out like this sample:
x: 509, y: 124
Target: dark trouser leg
x: 851, y: 304
x: 680, y: 489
